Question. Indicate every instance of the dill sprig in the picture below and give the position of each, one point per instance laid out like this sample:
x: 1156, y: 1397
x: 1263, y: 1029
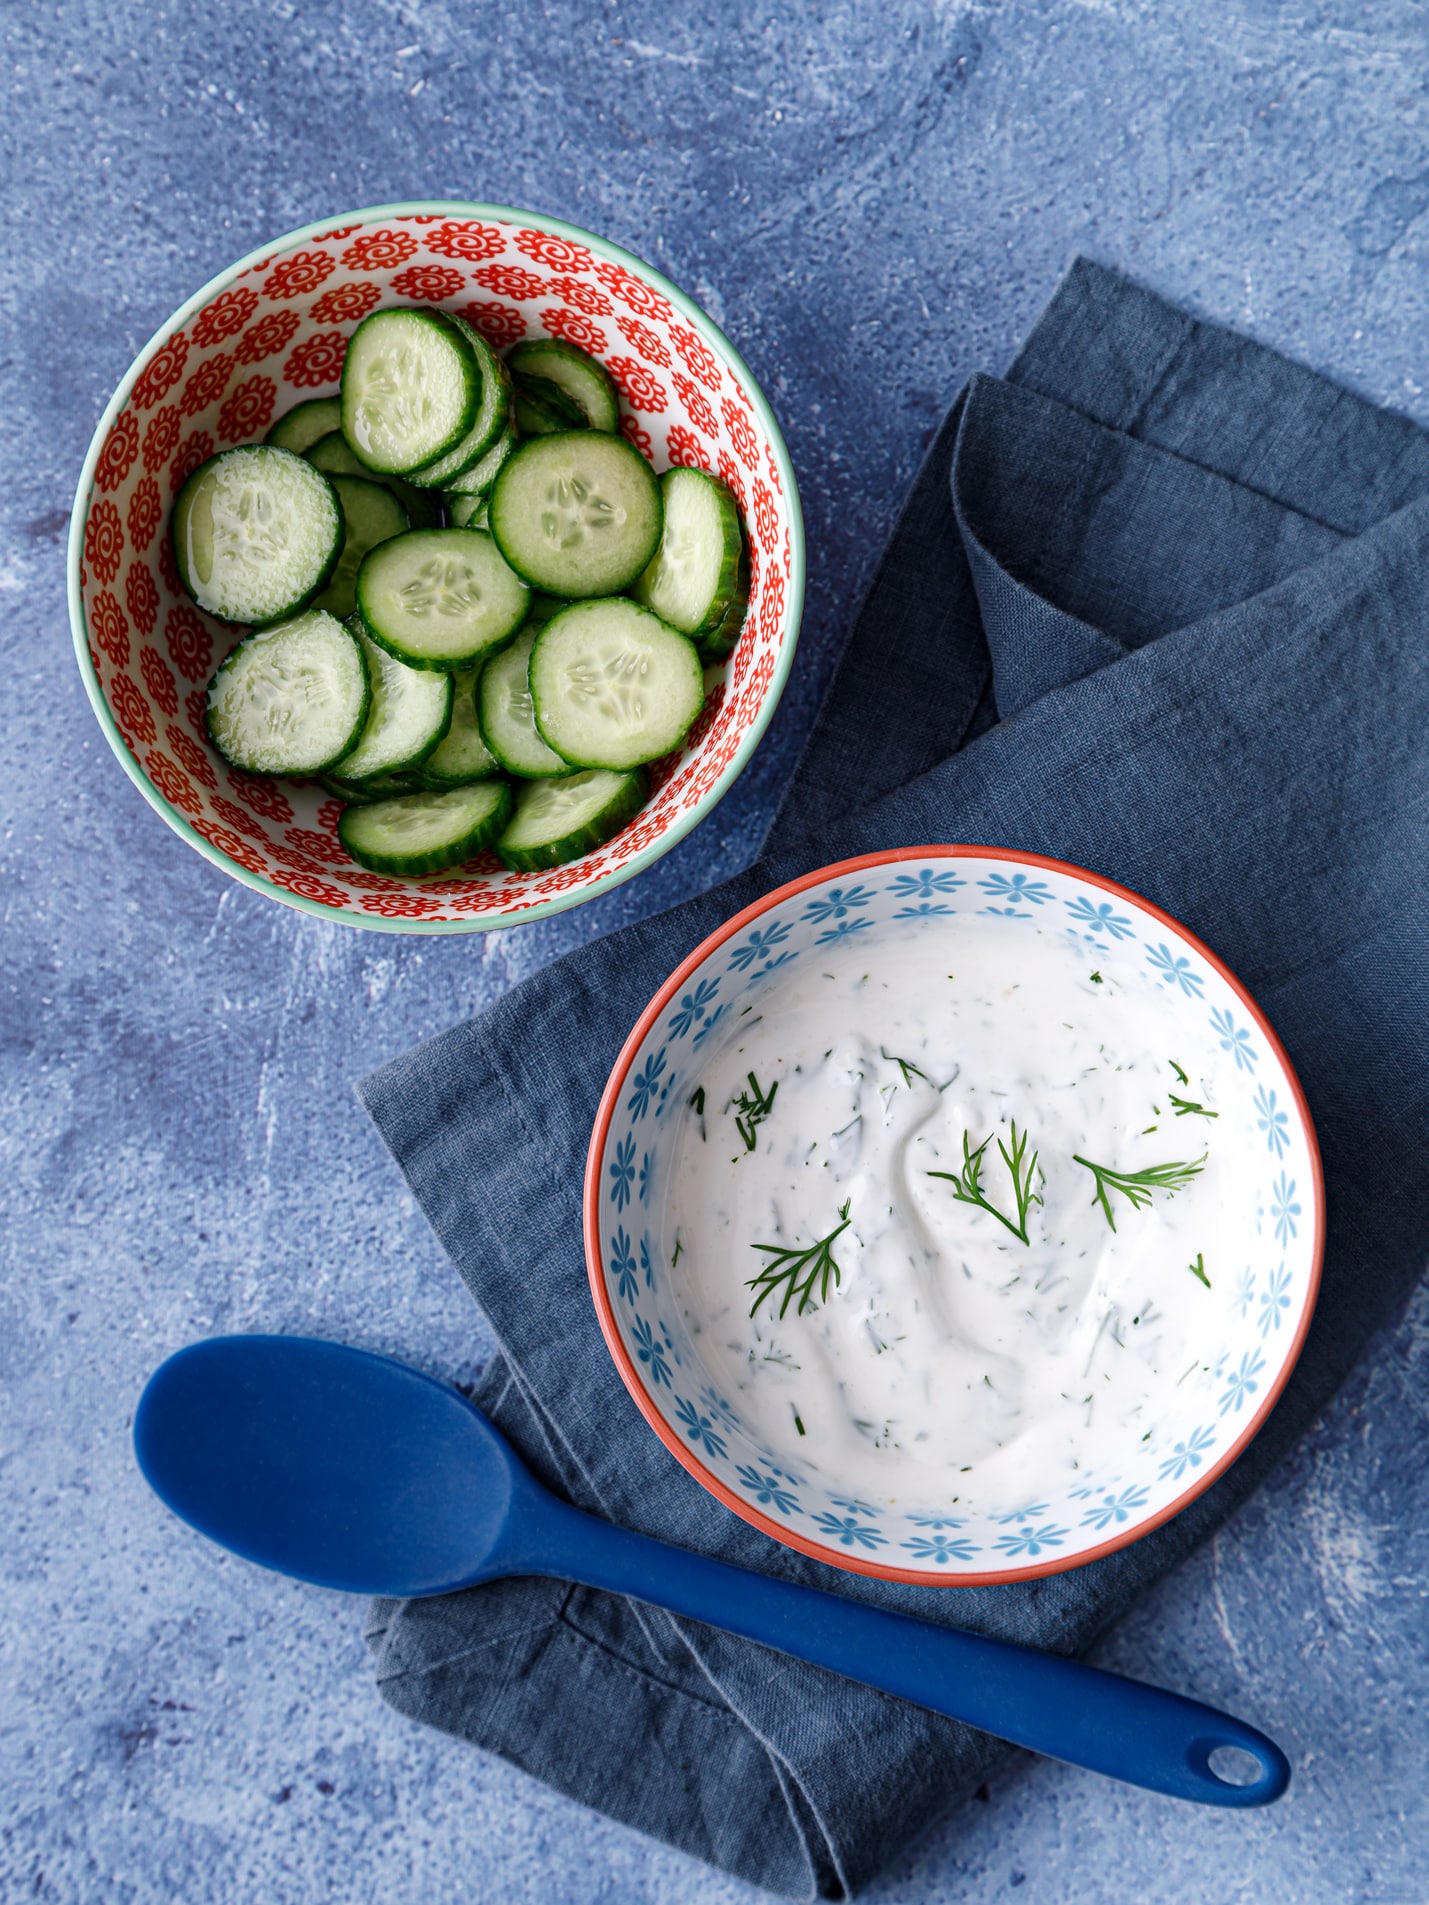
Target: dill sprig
x: 967, y: 1183
x: 755, y: 1105
x: 1198, y: 1268
x: 1137, y: 1186
x: 1184, y: 1106
x: 800, y: 1270
x: 909, y: 1070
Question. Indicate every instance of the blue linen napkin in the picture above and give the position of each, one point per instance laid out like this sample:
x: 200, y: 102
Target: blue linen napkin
x: 1156, y: 606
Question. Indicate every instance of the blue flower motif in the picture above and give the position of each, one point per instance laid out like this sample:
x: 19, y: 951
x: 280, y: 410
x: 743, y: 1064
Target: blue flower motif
x: 1244, y: 1291
x: 622, y: 1265
x: 850, y: 1532
x: 644, y: 1085
x: 925, y: 911
x: 940, y: 1549
x: 1242, y: 1381
x: 842, y: 930
x: 768, y: 1490
x: 1116, y: 1508
x: 651, y: 1351
x: 1274, y: 1123
x: 759, y: 945
x: 699, y: 1428
x: 622, y: 1172
x: 1030, y: 1513
x: 1030, y: 1540
x: 937, y: 1521
x: 717, y: 1405
x: 1187, y: 1454
x: 693, y: 1006
x: 1005, y: 912
x: 712, y: 1021
x: 854, y: 1506
x: 664, y: 1097
x: 836, y: 902
x: 923, y: 884
x: 1283, y: 1209
x: 1274, y: 1300
x: 1174, y: 969
x: 1102, y: 919
x: 647, y: 1177
x: 647, y: 1263
x: 1234, y: 1039
x: 1016, y: 887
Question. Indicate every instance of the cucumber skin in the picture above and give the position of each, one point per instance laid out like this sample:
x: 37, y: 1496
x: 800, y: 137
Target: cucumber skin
x: 560, y: 852
x: 609, y: 766
x: 288, y: 613
x: 439, y: 471
x: 733, y: 582
x: 267, y: 773
x: 331, y: 408
x: 718, y: 643
x: 535, y: 583
x: 414, y: 865
x: 532, y: 352
x: 379, y: 787
x: 543, y: 408
x: 448, y: 667
x: 412, y: 765
x: 420, y: 504
x: 440, y: 320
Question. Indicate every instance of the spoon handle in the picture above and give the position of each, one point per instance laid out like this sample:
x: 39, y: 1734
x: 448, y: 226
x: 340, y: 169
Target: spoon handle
x: 1058, y: 1707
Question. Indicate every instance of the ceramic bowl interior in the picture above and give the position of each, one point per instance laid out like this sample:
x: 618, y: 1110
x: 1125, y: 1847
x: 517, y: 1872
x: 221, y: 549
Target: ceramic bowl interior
x: 1262, y: 1303
x: 273, y: 331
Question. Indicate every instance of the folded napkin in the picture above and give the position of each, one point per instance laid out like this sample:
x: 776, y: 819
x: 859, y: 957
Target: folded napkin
x: 1157, y: 605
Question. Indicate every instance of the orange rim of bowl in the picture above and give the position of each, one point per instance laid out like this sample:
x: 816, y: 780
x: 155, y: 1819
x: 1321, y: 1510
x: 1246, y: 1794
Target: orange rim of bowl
x: 682, y: 1451
x: 680, y: 824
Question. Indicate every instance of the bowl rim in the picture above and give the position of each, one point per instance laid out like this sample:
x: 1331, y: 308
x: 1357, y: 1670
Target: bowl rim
x: 625, y: 1364
x: 683, y: 822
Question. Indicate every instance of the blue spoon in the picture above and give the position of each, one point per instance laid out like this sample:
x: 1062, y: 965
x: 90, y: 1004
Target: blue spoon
x: 353, y: 1471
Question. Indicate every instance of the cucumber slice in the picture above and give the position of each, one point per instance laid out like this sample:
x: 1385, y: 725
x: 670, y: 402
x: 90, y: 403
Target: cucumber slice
x: 299, y: 428
x: 411, y: 388
x: 695, y: 574
x: 580, y: 376
x: 717, y: 644
x: 478, y: 480
x: 612, y: 685
x: 507, y: 718
x: 466, y: 512
x: 577, y: 514
x: 461, y: 755
x: 290, y: 699
x: 256, y: 532
x: 425, y: 833
x: 440, y: 598
x: 335, y: 456
x: 493, y: 414
x: 556, y: 821
x: 542, y: 608
x: 371, y: 514
x: 543, y: 408
x: 380, y: 787
x: 410, y: 711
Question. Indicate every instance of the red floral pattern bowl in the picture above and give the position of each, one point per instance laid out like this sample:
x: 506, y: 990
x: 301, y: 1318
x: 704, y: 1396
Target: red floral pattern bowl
x: 272, y: 331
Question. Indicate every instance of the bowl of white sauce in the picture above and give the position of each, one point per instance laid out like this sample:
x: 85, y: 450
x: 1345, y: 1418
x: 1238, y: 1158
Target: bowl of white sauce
x: 954, y: 1216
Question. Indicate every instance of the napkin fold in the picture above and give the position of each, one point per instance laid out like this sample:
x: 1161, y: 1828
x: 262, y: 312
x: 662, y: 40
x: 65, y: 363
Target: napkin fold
x: 1156, y: 605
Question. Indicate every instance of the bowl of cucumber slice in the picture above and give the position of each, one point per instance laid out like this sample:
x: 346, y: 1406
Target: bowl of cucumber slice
x: 436, y: 569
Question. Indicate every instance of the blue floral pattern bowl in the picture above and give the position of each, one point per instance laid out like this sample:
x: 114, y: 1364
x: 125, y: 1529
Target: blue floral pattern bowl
x: 1200, y: 1427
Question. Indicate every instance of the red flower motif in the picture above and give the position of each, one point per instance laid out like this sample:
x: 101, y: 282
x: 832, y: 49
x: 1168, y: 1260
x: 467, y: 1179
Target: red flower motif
x: 161, y: 434
x: 226, y: 316
x: 168, y: 568
x: 196, y: 449
x: 329, y: 813
x: 352, y: 299
x: 379, y: 251
x: 705, y: 719
x: 267, y: 337
x: 633, y: 433
x: 131, y: 710
x: 773, y: 468
x: 685, y: 448
x: 465, y: 238
x: 511, y: 281
x: 317, y: 360
x: 248, y: 410
x: 399, y: 905
x: 758, y: 686
x: 121, y: 447
x: 741, y: 433
x: 159, y: 681
x: 428, y: 284
x: 264, y: 797
x: 104, y: 540
x: 308, y: 888
x: 172, y: 782
x: 634, y: 292
x: 235, y: 816
x: 321, y: 846
x: 644, y: 340
x: 298, y: 275
x: 189, y: 643
x: 557, y: 254
x: 109, y: 628
x: 230, y: 844
x: 162, y: 372
x: 290, y: 857
x: 563, y: 877
x: 731, y: 473
x: 771, y: 609
x: 697, y: 355
x: 332, y: 237
x: 582, y: 294
x: 641, y: 388
x: 196, y: 708
x: 192, y: 756
x: 207, y: 384
x: 697, y: 405
x: 499, y: 324
x: 371, y: 882
x: 766, y: 517
x: 145, y: 510
x: 576, y: 328
x: 142, y: 598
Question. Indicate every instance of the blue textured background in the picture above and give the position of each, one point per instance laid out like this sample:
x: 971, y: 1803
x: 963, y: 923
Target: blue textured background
x: 872, y: 199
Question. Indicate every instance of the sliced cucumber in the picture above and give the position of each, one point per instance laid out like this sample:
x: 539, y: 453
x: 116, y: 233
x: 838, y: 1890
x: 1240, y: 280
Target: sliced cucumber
x: 466, y: 512
x: 577, y: 514
x: 493, y: 414
x: 440, y: 598
x: 335, y: 456
x: 371, y: 514
x: 543, y: 607
x: 695, y: 574
x: 410, y: 711
x: 380, y: 787
x: 425, y: 833
x: 556, y: 821
x: 612, y: 685
x: 257, y: 532
x: 461, y: 755
x: 543, y: 408
x: 411, y: 388
x: 717, y: 644
x: 507, y: 718
x: 581, y: 377
x: 297, y: 429
x: 478, y: 480
x: 290, y: 699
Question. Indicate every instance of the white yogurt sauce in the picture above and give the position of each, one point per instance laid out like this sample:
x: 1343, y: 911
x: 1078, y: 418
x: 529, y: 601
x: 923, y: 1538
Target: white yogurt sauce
x: 951, y: 1359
